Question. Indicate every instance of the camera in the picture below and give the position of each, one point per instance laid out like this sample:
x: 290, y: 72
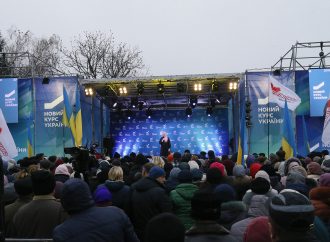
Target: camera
x: 80, y: 157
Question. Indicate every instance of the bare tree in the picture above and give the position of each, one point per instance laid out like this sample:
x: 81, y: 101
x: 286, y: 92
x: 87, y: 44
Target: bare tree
x: 96, y: 55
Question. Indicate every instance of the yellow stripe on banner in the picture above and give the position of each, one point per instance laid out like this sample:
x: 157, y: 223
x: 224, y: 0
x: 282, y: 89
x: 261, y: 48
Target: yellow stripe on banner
x: 30, y: 151
x: 79, y: 134
x: 239, y: 153
x: 65, y: 118
x: 287, y: 148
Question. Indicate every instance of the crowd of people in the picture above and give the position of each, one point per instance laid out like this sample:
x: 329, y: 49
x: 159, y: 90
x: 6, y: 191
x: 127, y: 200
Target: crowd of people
x: 180, y: 197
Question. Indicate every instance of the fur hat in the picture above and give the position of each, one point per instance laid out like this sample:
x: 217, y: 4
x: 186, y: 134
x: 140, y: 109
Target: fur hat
x: 156, y: 172
x: 292, y: 211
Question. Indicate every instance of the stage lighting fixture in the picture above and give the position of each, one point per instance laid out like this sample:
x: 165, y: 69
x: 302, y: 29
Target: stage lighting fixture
x: 160, y: 88
x: 197, y: 87
x: 129, y: 113
x: 180, y: 87
x: 89, y: 91
x: 149, y: 112
x: 45, y: 80
x: 215, y: 86
x: 140, y: 88
x: 134, y: 102
x: 188, y: 112
x: 122, y: 90
x: 114, y: 105
x: 232, y: 85
x: 193, y: 101
x: 209, y: 111
x: 140, y: 106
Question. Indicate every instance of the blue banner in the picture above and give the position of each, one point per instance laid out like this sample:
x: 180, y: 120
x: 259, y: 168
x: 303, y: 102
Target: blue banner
x: 197, y: 133
x: 319, y: 90
x: 9, y: 99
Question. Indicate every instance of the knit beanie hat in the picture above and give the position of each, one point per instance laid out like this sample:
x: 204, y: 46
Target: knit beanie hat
x: 197, y: 174
x: 174, y: 173
x: 156, y: 172
x: 102, y: 195
x: 193, y: 165
x: 314, y: 168
x: 23, y: 187
x: 324, y: 180
x: 157, y: 229
x: 213, y: 176
x: 225, y: 193
x: 43, y: 182
x: 220, y: 167
x: 260, y: 185
x: 62, y: 170
x: 292, y: 211
x: 262, y: 174
x: 238, y: 170
x: 260, y: 224
x: 184, y: 166
x: 326, y: 166
x: 254, y: 168
x: 185, y: 176
x: 76, y: 196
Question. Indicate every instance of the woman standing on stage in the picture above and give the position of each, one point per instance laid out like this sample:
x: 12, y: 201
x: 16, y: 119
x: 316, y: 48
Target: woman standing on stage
x: 165, y: 144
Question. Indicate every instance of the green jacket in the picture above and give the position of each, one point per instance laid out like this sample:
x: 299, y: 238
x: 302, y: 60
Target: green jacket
x: 181, y: 197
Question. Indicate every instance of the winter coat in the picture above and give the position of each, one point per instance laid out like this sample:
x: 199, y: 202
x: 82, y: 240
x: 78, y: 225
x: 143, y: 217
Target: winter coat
x: 208, y: 231
x: 241, y: 184
x: 257, y: 208
x: 249, y: 195
x: 120, y: 194
x: 181, y: 200
x: 96, y: 224
x: 147, y: 200
x: 11, y: 209
x: 232, y: 212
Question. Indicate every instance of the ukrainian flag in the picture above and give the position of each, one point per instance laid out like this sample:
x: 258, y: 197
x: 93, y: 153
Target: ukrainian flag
x: 68, y: 117
x: 78, y: 119
x: 305, y: 137
x: 240, y: 154
x: 29, y: 140
x: 288, y: 140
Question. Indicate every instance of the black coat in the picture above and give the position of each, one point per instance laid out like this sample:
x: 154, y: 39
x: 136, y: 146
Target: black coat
x: 148, y: 199
x: 120, y: 194
x: 164, y: 147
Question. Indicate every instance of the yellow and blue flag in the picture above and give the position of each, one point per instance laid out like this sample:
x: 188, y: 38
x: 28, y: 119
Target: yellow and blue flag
x: 305, y: 138
x: 29, y: 140
x: 240, y: 154
x: 288, y: 139
x: 78, y: 119
x: 68, y: 117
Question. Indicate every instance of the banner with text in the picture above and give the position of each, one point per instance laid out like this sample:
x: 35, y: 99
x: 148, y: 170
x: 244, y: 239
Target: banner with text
x: 9, y: 99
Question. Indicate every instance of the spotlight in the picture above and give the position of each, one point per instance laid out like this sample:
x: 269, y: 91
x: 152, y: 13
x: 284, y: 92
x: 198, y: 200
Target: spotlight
x: 89, y: 91
x: 193, y: 101
x: 149, y: 112
x: 114, y: 105
x: 180, y: 87
x: 197, y: 87
x: 122, y: 90
x: 209, y: 111
x: 140, y: 88
x: 134, y: 102
x: 188, y: 112
x: 277, y: 72
x: 232, y: 85
x: 129, y: 113
x: 215, y: 86
x: 140, y: 106
x: 160, y: 88
x: 45, y: 80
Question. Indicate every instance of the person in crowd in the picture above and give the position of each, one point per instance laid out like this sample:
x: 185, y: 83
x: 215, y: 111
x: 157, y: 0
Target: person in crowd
x: 38, y: 218
x: 254, y: 168
x: 62, y: 173
x: 158, y: 161
x: 258, y: 230
x: 258, y: 207
x: 165, y: 227
x: 290, y: 164
x: 136, y: 168
x: 326, y: 166
x: 296, y: 181
x: 102, y: 196
x: 241, y: 181
x: 260, y: 185
x: 231, y: 209
x: 214, y: 177
x: 148, y: 199
x: 88, y: 222
x: 176, y: 159
x: 181, y: 198
x: 197, y: 176
x: 172, y: 181
x: 291, y: 216
x: 165, y: 144
x: 205, y: 209
x: 120, y: 192
x: 229, y: 164
x: 314, y: 171
x: 23, y: 188
x: 274, y: 177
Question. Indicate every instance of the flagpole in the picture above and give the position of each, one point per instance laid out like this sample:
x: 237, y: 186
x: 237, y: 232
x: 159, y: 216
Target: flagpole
x: 268, y: 118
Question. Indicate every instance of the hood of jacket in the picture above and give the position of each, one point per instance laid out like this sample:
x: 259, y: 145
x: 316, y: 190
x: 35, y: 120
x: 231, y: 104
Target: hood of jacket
x: 146, y: 184
x: 258, y: 206
x: 186, y: 190
x: 114, y: 186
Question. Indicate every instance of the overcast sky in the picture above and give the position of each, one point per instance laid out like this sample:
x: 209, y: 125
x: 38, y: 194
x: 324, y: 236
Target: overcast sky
x: 182, y: 36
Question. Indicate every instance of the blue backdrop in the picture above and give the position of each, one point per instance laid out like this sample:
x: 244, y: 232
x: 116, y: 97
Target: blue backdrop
x: 197, y: 133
